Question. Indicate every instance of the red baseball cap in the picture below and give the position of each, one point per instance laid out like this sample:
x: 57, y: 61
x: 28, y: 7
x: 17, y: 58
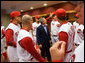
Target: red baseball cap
x: 36, y: 17
x: 15, y: 14
x: 60, y: 12
x: 54, y: 12
x: 11, y: 20
x: 77, y: 15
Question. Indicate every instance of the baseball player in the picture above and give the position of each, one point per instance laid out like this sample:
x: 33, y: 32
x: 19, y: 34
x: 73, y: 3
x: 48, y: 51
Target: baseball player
x: 76, y: 24
x: 66, y: 33
x: 79, y: 34
x: 78, y: 55
x: 3, y: 42
x: 55, y: 25
x: 58, y: 52
x: 12, y: 31
x: 26, y: 47
x: 34, y: 27
x: 58, y: 49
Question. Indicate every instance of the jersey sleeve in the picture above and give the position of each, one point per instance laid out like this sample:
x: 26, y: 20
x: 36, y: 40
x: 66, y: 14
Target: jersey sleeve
x: 28, y: 45
x: 47, y: 18
x: 9, y: 38
x: 63, y: 36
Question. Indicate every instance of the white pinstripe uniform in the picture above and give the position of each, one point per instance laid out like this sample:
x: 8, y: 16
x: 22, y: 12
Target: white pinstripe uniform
x: 70, y: 43
x: 79, y: 36
x: 78, y: 55
x: 3, y: 41
x: 54, y: 31
x: 12, y: 52
x: 34, y: 26
x: 23, y: 55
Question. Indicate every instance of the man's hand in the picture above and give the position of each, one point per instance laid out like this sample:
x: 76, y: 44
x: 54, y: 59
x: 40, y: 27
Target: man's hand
x: 51, y: 14
x: 58, y: 51
x: 40, y: 46
x: 39, y: 51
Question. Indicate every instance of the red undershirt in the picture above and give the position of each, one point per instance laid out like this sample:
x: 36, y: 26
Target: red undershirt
x: 10, y: 38
x: 63, y: 36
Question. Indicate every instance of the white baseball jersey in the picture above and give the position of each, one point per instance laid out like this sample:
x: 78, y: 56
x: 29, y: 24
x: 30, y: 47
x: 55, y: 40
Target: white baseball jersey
x: 70, y: 44
x: 15, y: 29
x: 79, y: 35
x: 75, y: 25
x: 2, y: 27
x: 23, y: 55
x: 78, y: 55
x: 12, y: 52
x: 35, y: 25
x: 55, y: 25
x: 3, y: 41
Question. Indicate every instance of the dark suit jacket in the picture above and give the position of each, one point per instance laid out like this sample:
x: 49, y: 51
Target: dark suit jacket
x: 43, y: 37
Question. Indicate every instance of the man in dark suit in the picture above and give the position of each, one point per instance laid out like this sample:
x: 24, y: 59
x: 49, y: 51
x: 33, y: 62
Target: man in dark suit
x: 43, y: 39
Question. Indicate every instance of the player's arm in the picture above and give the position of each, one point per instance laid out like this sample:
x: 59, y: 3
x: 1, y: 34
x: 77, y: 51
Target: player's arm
x: 63, y: 36
x: 9, y: 38
x: 49, y: 17
x: 28, y: 45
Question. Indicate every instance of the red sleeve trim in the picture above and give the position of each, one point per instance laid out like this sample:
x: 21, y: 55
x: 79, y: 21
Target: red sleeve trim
x: 3, y: 32
x: 47, y: 18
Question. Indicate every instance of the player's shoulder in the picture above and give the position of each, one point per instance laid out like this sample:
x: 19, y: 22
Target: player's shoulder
x: 22, y: 34
x: 33, y: 23
x: 39, y: 27
x: 80, y: 27
x: 65, y: 28
x: 57, y: 22
x: 52, y: 21
x: 2, y: 27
